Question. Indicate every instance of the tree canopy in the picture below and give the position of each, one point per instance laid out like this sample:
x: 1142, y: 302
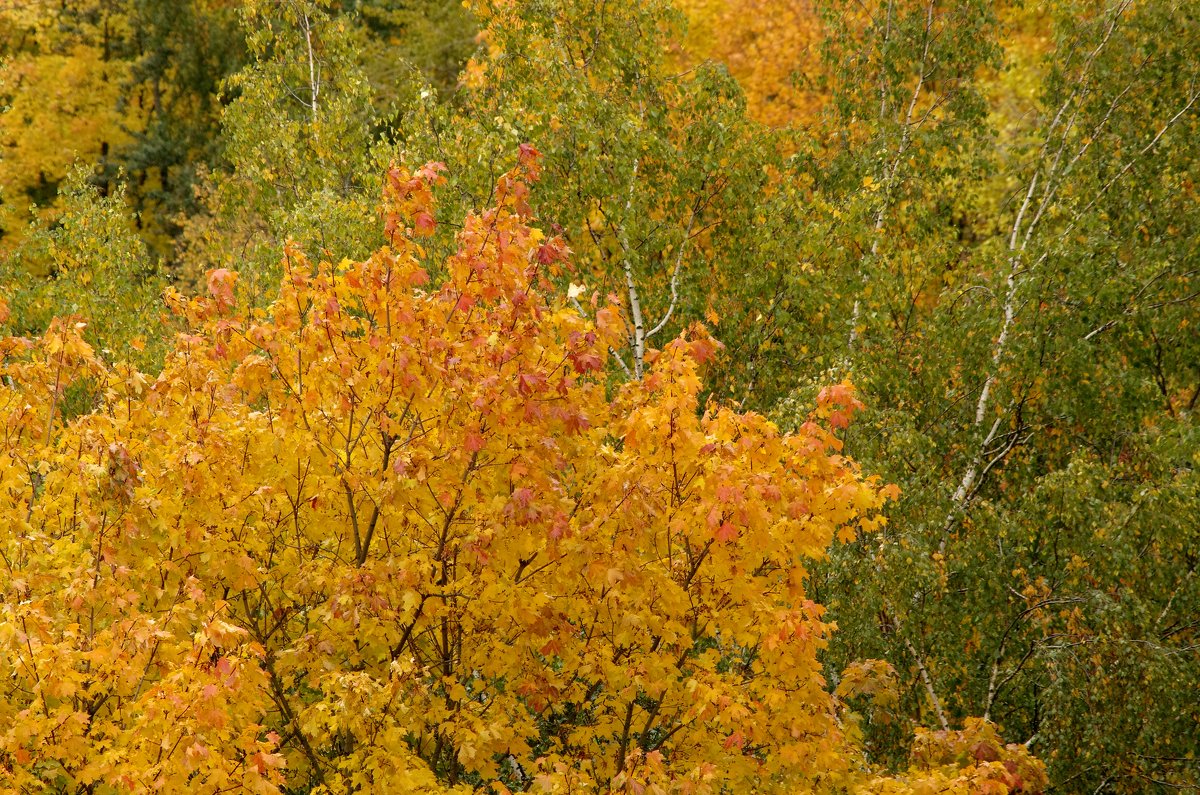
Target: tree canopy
x: 545, y: 395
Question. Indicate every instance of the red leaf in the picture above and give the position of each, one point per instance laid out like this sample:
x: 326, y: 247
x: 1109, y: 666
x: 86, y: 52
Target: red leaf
x: 587, y: 361
x: 220, y: 286
x: 528, y: 383
x: 531, y: 161
x: 424, y: 224
x: 726, y: 532
x: 703, y: 349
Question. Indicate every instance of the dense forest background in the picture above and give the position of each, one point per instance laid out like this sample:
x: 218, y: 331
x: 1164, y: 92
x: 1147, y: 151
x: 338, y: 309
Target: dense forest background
x: 984, y: 216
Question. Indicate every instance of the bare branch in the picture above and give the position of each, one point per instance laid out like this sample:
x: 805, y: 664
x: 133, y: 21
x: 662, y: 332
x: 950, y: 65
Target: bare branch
x: 924, y: 671
x: 687, y: 236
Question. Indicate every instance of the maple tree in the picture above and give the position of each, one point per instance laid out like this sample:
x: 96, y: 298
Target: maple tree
x: 394, y: 534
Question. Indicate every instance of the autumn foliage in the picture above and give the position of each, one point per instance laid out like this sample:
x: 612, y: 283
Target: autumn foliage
x: 771, y: 46
x: 486, y: 509
x: 398, y: 533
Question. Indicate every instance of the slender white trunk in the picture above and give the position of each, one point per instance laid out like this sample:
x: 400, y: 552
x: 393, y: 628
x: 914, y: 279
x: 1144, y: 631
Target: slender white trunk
x: 638, y: 338
x: 314, y: 84
x: 1018, y: 242
x: 889, y: 178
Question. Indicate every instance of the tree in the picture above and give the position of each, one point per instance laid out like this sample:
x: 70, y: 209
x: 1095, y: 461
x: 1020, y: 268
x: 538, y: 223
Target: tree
x: 297, y: 134
x: 180, y: 53
x: 1044, y: 463
x: 91, y: 263
x: 402, y: 536
x: 60, y: 89
x: 651, y: 170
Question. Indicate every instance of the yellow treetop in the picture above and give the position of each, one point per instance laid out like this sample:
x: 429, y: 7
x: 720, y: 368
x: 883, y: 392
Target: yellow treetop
x: 401, y: 535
